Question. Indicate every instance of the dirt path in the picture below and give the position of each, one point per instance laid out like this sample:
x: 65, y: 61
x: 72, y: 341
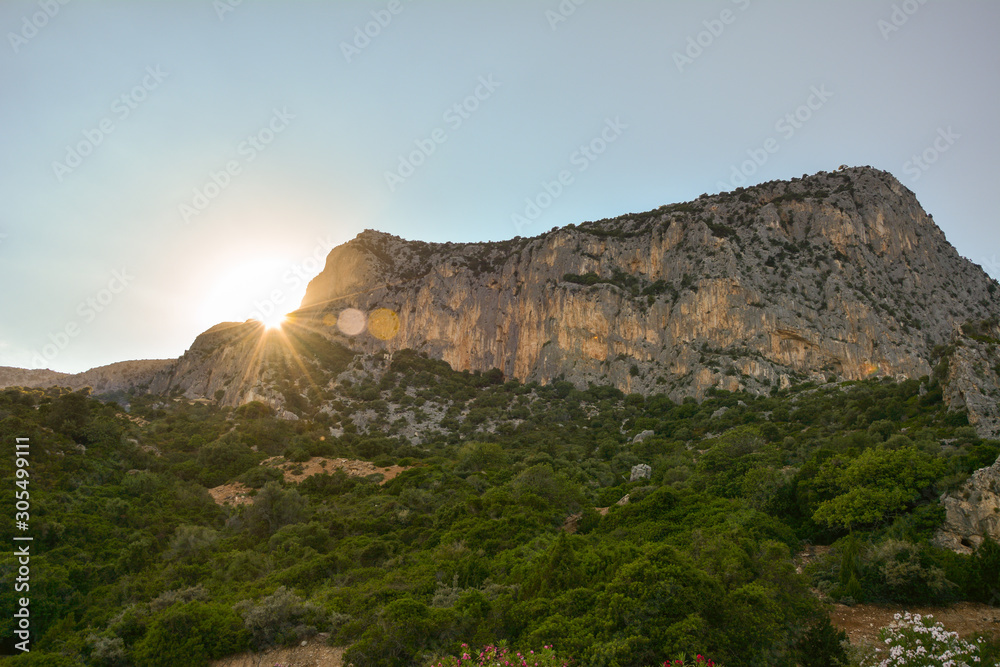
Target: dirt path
x: 861, y: 622
x: 315, y: 653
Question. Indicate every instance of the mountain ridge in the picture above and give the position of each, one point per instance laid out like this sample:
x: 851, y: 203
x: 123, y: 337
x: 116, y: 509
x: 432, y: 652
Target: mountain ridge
x: 837, y: 275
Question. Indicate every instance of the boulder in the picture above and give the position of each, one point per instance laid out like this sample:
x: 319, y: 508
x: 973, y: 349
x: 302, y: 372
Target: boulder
x: 640, y: 471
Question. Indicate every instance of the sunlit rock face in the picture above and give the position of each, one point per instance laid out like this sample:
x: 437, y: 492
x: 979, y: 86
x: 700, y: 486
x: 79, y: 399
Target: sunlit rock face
x: 837, y: 274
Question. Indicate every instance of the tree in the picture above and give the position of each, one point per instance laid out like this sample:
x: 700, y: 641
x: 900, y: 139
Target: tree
x: 823, y: 645
x: 191, y: 634
x: 190, y: 541
x: 274, y: 507
x: 874, y: 486
x: 558, y: 570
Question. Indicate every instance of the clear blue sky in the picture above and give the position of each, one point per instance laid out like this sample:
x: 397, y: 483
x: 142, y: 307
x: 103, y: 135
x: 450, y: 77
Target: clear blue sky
x: 113, y: 114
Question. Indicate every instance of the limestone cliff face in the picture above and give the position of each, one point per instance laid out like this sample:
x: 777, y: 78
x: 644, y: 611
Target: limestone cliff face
x: 837, y: 274
x: 973, y: 379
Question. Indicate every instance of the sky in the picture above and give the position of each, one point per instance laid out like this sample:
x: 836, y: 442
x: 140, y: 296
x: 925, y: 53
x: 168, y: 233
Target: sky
x: 165, y: 166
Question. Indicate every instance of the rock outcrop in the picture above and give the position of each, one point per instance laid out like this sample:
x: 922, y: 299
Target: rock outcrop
x: 640, y: 471
x: 973, y: 512
x: 837, y: 275
x: 973, y: 376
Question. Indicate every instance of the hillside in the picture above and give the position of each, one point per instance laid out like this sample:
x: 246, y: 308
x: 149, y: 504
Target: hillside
x: 490, y: 530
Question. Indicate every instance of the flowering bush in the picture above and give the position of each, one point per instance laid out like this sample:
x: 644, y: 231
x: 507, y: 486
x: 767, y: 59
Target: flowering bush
x: 914, y: 640
x: 699, y: 661
x: 501, y: 656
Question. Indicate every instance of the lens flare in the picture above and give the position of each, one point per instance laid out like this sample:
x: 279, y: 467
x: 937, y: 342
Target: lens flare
x: 351, y: 321
x: 383, y: 324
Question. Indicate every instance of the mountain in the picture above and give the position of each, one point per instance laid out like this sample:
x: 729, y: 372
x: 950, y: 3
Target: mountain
x: 835, y: 276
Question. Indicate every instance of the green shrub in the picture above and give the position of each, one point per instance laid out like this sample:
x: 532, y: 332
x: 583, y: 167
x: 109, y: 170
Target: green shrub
x: 191, y: 634
x: 280, y: 619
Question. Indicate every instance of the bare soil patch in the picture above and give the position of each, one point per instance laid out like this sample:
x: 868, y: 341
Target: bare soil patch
x: 315, y: 653
x: 318, y: 465
x: 235, y: 493
x: 862, y: 622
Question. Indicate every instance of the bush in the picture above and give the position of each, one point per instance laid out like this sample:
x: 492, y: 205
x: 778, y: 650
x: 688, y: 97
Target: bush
x: 191, y: 634
x: 985, y: 584
x: 282, y: 618
x: 190, y: 541
x: 490, y: 656
x: 823, y: 646
x: 273, y: 508
x: 223, y: 460
x: 913, y: 640
x: 261, y: 475
x: 254, y: 410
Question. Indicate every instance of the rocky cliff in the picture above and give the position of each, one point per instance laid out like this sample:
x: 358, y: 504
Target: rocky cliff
x: 833, y: 275
x: 836, y: 275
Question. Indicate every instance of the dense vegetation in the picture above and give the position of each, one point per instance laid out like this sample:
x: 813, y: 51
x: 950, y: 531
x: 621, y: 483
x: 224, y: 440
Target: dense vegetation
x: 135, y: 564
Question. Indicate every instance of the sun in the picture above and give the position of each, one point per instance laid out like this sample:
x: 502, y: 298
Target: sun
x: 255, y: 289
x: 274, y: 321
